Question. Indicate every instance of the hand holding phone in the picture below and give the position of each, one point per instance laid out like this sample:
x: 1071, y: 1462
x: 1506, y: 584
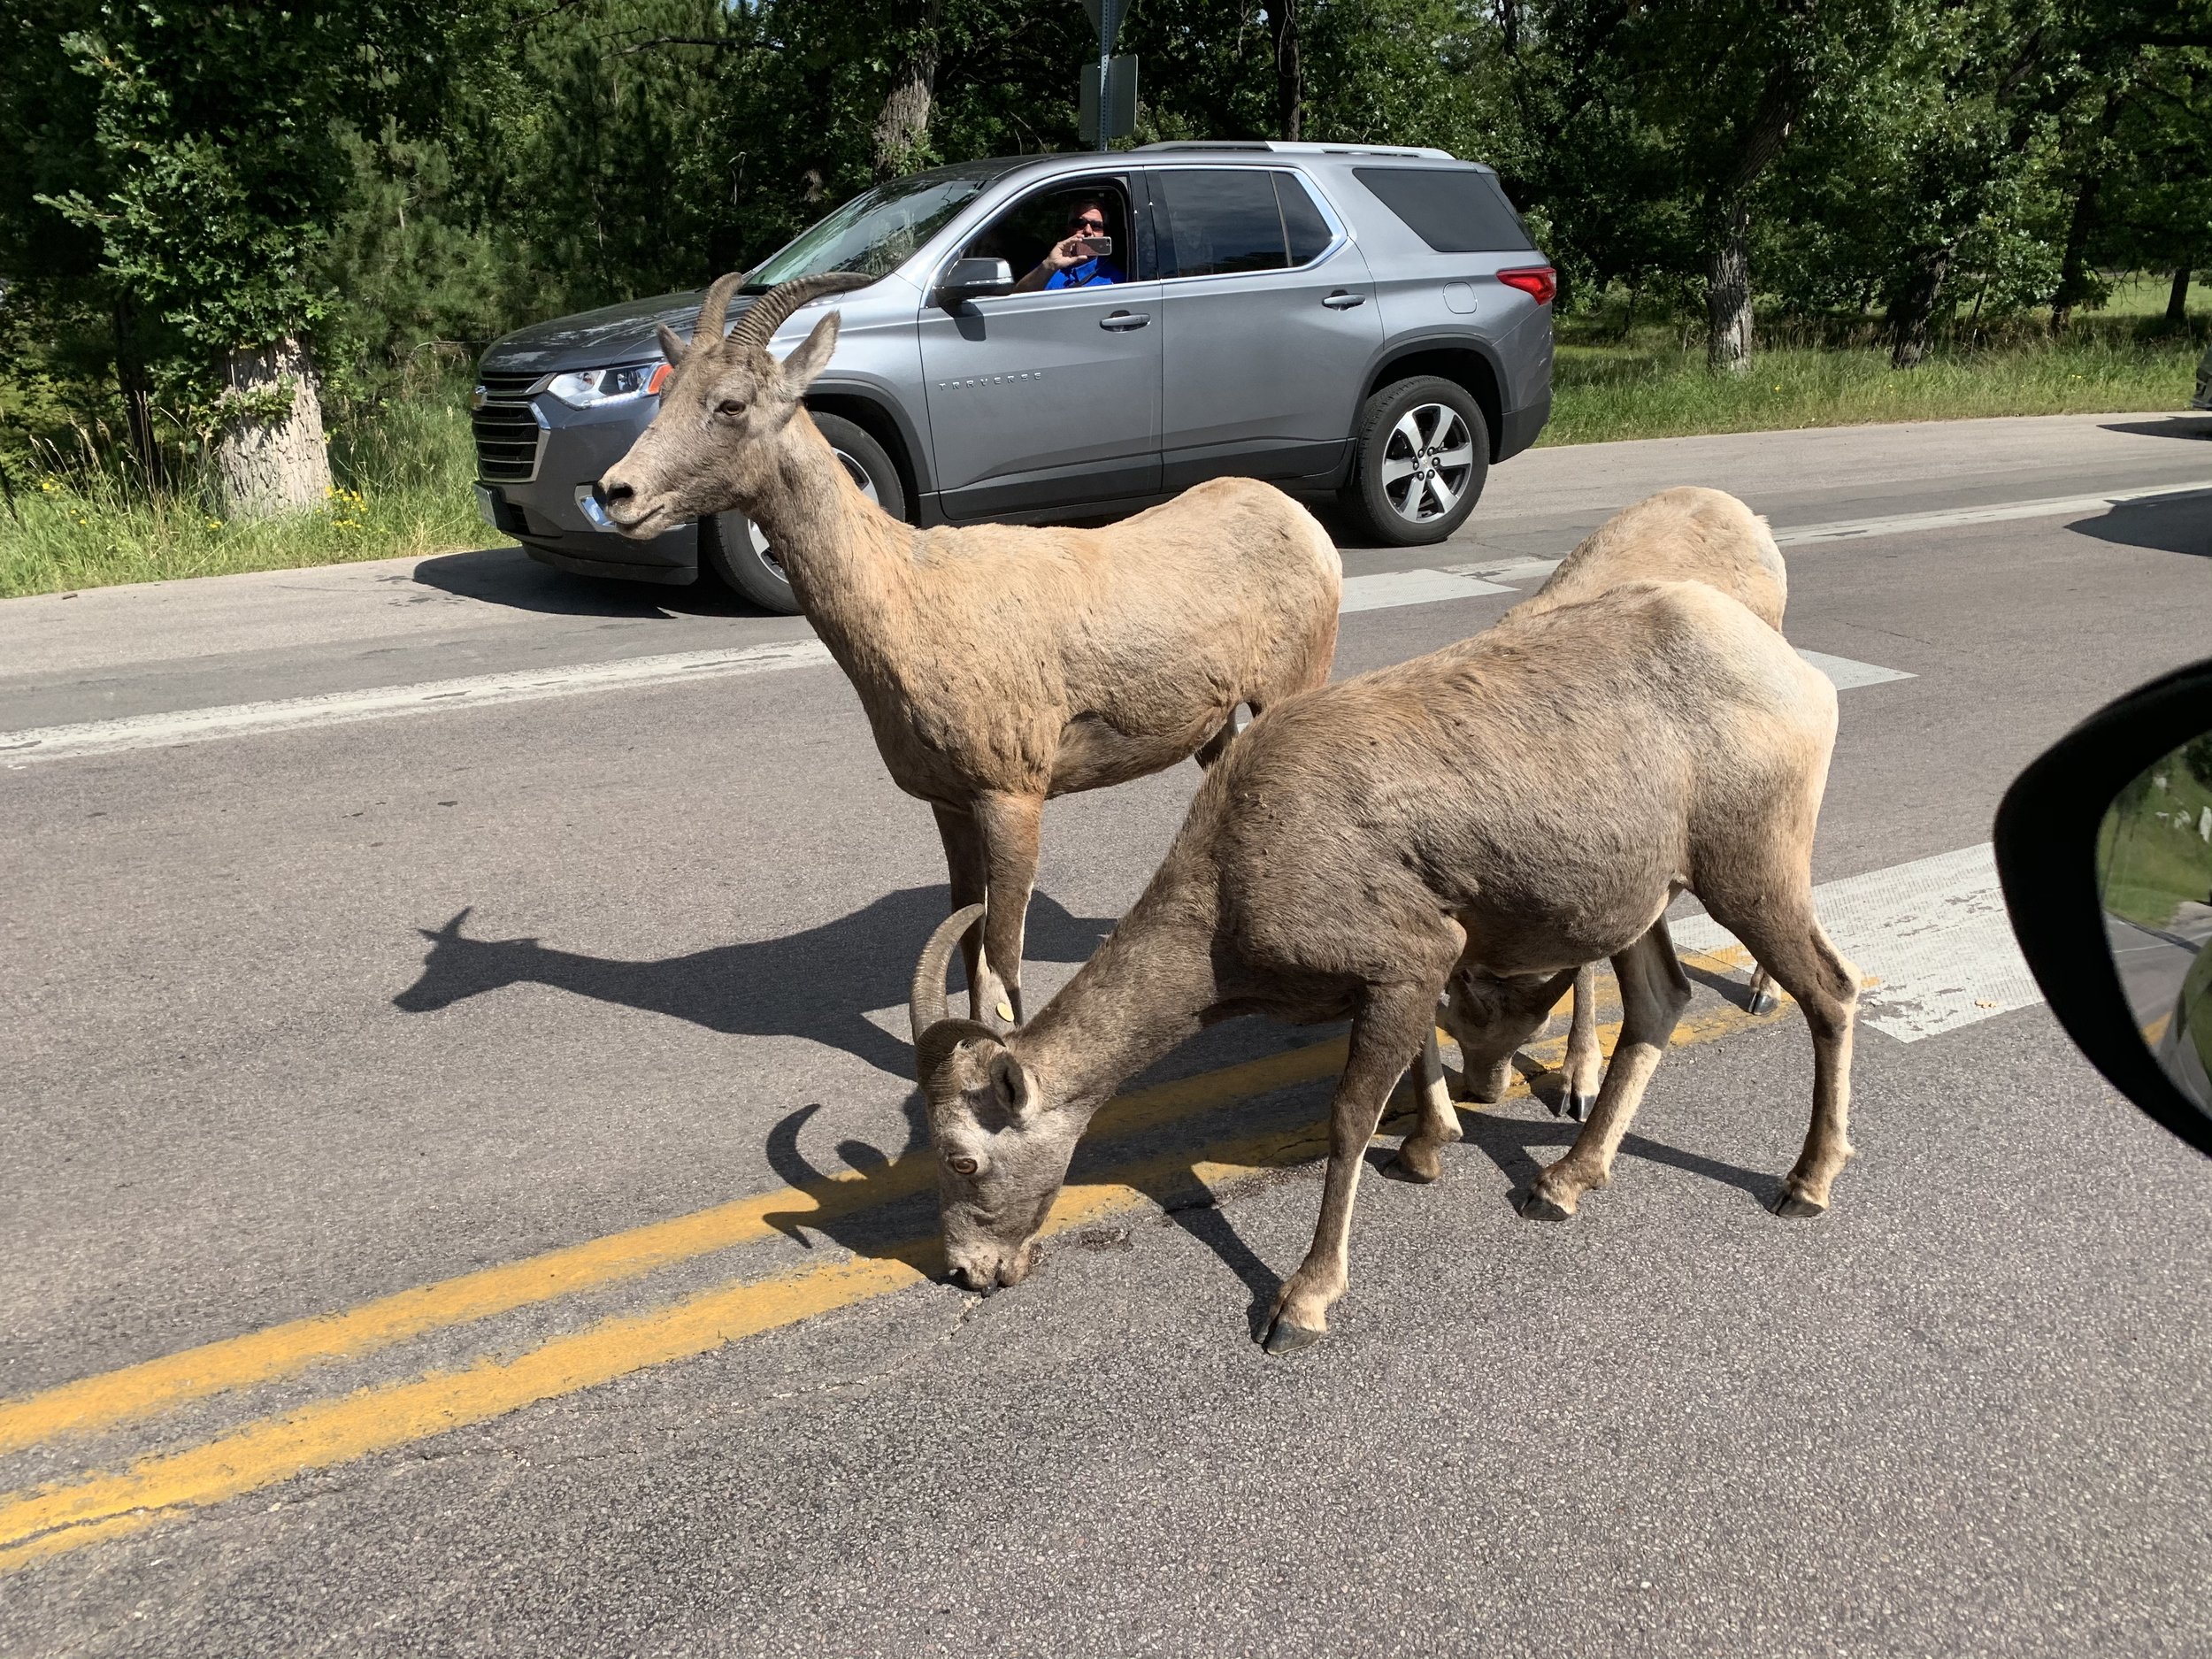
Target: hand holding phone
x: 1093, y: 246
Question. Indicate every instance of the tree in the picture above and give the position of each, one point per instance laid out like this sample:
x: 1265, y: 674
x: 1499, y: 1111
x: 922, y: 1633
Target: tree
x: 208, y: 181
x: 1729, y: 81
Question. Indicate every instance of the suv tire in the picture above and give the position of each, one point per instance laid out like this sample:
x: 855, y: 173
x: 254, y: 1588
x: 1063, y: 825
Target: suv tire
x: 1421, y: 453
x: 740, y: 558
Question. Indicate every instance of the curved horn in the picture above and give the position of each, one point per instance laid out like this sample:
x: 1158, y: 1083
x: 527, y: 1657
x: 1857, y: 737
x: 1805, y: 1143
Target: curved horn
x: 770, y: 310
x: 714, y: 307
x: 925, y: 1002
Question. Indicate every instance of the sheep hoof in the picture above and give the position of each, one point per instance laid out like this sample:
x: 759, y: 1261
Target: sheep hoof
x: 1763, y: 1002
x: 1416, y: 1167
x: 1575, y: 1104
x: 1284, y: 1337
x: 1795, y: 1206
x: 1541, y: 1206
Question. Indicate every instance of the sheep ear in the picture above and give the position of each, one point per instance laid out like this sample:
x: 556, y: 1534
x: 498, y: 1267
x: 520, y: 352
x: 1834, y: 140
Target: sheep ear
x: 673, y: 346
x: 1015, y: 1089
x: 813, y: 356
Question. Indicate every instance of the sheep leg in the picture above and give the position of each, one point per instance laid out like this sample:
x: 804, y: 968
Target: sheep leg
x: 1389, y: 1027
x: 1653, y: 993
x: 1010, y: 824
x: 1418, y: 1157
x: 1787, y: 940
x: 964, y: 865
x: 1585, y: 1065
x: 1490, y: 1017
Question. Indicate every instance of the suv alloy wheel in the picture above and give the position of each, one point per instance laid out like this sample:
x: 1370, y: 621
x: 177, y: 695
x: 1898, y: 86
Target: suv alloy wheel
x: 1423, y: 455
x: 735, y: 551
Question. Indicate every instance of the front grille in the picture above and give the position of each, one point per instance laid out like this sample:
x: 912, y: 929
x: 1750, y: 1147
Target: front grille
x: 508, y: 439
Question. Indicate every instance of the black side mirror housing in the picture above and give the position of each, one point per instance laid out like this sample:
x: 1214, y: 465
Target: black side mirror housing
x: 974, y: 279
x: 2057, y: 839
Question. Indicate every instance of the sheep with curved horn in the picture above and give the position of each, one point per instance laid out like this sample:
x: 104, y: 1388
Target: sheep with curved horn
x: 999, y: 665
x: 1362, y: 844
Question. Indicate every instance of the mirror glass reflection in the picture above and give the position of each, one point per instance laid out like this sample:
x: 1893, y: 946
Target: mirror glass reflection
x: 2154, y: 873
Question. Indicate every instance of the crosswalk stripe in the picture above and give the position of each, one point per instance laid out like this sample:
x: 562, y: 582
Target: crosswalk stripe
x: 1387, y: 588
x: 1931, y: 936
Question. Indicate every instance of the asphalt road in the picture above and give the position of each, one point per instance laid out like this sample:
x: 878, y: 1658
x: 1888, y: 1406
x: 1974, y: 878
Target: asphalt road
x: 489, y: 1064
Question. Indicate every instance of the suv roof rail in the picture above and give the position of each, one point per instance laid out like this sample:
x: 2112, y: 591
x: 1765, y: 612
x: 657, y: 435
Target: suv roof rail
x: 1284, y: 147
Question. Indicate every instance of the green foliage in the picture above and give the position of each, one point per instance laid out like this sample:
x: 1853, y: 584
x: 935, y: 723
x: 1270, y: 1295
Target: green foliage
x: 2152, y: 852
x: 207, y: 177
x: 398, y: 182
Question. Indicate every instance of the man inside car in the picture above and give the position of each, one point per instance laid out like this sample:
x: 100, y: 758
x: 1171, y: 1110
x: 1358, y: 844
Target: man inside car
x: 1082, y: 258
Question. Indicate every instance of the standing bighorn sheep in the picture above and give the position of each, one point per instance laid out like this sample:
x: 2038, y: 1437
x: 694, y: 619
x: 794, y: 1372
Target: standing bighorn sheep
x: 1688, y: 533
x: 999, y: 665
x: 1357, y: 845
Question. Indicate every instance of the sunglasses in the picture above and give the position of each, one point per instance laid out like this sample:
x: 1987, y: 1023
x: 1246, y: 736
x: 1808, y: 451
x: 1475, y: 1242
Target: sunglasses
x: 1089, y: 222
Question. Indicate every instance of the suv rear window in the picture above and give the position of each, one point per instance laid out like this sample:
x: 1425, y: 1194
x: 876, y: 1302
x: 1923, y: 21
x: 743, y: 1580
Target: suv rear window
x: 1453, y: 210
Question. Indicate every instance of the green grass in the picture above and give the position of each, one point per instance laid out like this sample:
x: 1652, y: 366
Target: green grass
x: 1653, y: 385
x: 404, y: 478
x: 2151, y: 853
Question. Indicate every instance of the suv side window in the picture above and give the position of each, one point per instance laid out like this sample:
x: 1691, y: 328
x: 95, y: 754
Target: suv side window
x: 1308, y: 233
x: 1216, y: 221
x: 1022, y: 233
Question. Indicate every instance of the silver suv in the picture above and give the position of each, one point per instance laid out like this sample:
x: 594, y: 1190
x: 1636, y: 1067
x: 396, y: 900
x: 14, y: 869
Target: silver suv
x: 1367, y: 322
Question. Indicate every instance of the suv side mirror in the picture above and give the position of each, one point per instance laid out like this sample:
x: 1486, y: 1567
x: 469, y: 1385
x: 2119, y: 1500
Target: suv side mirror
x: 2104, y: 845
x: 974, y: 279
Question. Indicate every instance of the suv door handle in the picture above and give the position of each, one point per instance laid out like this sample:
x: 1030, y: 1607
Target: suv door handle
x: 1341, y: 300
x: 1118, y: 321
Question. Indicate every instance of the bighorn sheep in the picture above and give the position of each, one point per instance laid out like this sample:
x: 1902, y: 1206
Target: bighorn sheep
x: 999, y: 665
x: 1688, y: 533
x: 1358, y: 844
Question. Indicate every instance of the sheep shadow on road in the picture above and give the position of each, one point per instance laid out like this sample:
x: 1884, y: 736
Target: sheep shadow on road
x: 818, y: 983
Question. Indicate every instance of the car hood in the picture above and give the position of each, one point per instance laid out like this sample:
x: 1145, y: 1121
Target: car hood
x: 591, y: 339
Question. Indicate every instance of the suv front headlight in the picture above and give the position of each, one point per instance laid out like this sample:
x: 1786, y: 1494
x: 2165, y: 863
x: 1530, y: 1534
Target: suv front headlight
x: 594, y: 388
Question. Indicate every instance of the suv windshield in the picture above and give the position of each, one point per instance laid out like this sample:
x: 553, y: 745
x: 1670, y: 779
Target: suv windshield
x: 873, y: 233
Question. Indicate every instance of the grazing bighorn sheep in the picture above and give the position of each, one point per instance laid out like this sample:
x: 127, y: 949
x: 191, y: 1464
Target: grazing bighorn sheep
x: 1688, y: 533
x: 1358, y: 844
x: 999, y: 665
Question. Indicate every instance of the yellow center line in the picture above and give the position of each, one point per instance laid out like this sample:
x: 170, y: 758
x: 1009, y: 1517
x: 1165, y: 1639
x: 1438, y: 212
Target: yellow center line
x: 67, y: 1515
x: 284, y: 1350
x: 279, y: 1351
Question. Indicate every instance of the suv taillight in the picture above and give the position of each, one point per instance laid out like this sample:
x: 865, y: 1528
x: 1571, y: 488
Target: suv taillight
x: 1539, y: 282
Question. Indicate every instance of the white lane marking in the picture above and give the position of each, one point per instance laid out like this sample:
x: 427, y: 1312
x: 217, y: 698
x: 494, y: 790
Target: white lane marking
x: 339, y: 707
x: 1412, y: 587
x: 1535, y: 570
x: 1848, y: 674
x: 1931, y: 932
x: 2051, y: 507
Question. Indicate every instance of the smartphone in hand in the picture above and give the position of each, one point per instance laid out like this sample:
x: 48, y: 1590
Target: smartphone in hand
x: 1094, y: 247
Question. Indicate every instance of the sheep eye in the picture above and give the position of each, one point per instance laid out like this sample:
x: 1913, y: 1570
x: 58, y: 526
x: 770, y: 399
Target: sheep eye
x: 964, y: 1166
x: 729, y: 406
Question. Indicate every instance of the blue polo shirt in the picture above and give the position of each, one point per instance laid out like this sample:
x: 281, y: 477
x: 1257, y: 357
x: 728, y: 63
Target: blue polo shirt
x: 1084, y: 275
